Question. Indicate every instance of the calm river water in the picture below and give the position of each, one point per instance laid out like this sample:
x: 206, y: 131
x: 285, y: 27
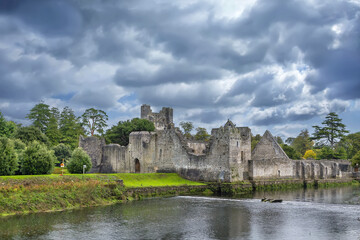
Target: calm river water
x: 304, y: 214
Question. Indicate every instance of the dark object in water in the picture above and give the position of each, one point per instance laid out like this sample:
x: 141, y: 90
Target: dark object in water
x: 271, y: 200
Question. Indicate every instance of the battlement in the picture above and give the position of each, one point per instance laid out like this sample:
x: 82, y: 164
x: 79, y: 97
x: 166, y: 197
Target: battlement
x: 162, y: 120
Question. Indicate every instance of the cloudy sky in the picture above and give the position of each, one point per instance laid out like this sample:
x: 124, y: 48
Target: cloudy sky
x: 280, y: 65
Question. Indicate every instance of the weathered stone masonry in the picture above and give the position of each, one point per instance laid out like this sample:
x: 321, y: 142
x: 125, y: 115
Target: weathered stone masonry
x: 225, y: 157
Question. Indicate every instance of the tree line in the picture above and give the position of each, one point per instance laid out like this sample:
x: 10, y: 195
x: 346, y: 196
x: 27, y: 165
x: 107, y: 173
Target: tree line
x: 52, y: 138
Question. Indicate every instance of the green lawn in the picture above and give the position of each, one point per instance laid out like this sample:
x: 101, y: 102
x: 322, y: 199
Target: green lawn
x: 130, y: 179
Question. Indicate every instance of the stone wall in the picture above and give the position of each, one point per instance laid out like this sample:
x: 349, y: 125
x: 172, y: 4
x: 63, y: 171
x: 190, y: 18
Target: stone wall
x: 93, y: 146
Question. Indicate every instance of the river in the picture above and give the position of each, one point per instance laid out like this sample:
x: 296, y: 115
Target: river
x: 332, y: 213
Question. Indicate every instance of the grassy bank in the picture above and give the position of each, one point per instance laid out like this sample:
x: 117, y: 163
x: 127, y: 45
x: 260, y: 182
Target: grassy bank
x: 22, y: 194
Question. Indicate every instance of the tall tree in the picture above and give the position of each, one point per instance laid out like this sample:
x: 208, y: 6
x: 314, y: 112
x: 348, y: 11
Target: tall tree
x: 70, y: 128
x: 94, y: 120
x: 302, y: 142
x: 255, y: 140
x: 40, y: 115
x: 187, y: 128
x: 53, y: 131
x: 333, y: 130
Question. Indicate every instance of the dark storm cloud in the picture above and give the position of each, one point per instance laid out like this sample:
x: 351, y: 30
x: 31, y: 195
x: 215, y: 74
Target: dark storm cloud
x: 182, y: 56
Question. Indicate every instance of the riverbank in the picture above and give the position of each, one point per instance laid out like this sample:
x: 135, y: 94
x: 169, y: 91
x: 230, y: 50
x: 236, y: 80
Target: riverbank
x: 25, y: 194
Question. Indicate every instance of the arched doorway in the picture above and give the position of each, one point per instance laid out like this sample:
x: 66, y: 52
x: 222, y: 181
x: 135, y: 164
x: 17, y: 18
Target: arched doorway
x: 137, y: 165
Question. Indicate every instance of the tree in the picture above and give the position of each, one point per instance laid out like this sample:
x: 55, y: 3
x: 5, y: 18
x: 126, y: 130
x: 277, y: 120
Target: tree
x: 52, y: 131
x: 61, y: 152
x: 70, y: 128
x: 202, y: 134
x: 31, y: 133
x: 40, y: 115
x: 120, y: 133
x: 356, y: 159
x: 309, y: 154
x: 302, y: 142
x: 37, y: 159
x: 289, y: 140
x: 94, y: 120
x: 279, y: 140
x: 187, y: 127
x: 8, y: 157
x: 351, y: 144
x: 78, y: 159
x: 255, y: 140
x: 7, y: 128
x: 332, y: 130
x: 291, y: 152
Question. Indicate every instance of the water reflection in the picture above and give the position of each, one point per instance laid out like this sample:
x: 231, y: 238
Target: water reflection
x: 304, y: 214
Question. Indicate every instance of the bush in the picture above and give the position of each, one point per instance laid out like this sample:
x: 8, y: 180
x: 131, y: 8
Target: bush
x: 8, y: 157
x: 19, y: 146
x: 310, y: 154
x: 356, y: 159
x: 30, y: 134
x: 79, y: 158
x: 37, y: 159
x: 61, y: 152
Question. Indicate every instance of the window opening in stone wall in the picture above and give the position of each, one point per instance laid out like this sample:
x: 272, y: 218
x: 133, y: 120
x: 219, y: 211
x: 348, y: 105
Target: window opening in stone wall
x: 160, y: 153
x: 237, y: 143
x: 278, y: 173
x: 137, y: 165
x: 242, y: 155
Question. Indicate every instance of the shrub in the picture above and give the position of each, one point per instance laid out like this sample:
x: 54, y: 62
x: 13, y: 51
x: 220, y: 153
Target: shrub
x: 61, y: 152
x: 8, y: 157
x: 79, y: 158
x: 19, y: 146
x: 37, y: 159
x: 310, y: 154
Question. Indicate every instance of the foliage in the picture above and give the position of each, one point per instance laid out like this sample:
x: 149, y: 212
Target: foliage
x: 289, y: 140
x: 120, y: 133
x: 70, y: 128
x: 327, y: 152
x: 332, y: 130
x: 309, y: 154
x: 187, y: 128
x: 356, y: 159
x: 31, y: 133
x: 291, y: 152
x: 279, y: 140
x: 94, y: 120
x: 8, y: 157
x: 351, y: 144
x: 52, y: 131
x: 255, y: 140
x: 202, y: 134
x: 302, y: 142
x: 37, y: 159
x: 40, y: 115
x: 61, y: 152
x: 7, y: 128
x: 78, y: 159
x: 19, y: 146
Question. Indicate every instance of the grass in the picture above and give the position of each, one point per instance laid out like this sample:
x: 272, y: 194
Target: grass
x: 34, y: 193
x: 130, y: 180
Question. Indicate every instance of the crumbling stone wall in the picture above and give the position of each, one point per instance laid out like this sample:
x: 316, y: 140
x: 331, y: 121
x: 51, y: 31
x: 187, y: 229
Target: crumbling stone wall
x: 162, y: 120
x: 93, y: 146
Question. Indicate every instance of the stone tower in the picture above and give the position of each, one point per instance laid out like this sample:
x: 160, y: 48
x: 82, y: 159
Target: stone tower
x: 162, y: 120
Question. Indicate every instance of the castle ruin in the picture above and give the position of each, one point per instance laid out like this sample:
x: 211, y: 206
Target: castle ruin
x: 226, y: 157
